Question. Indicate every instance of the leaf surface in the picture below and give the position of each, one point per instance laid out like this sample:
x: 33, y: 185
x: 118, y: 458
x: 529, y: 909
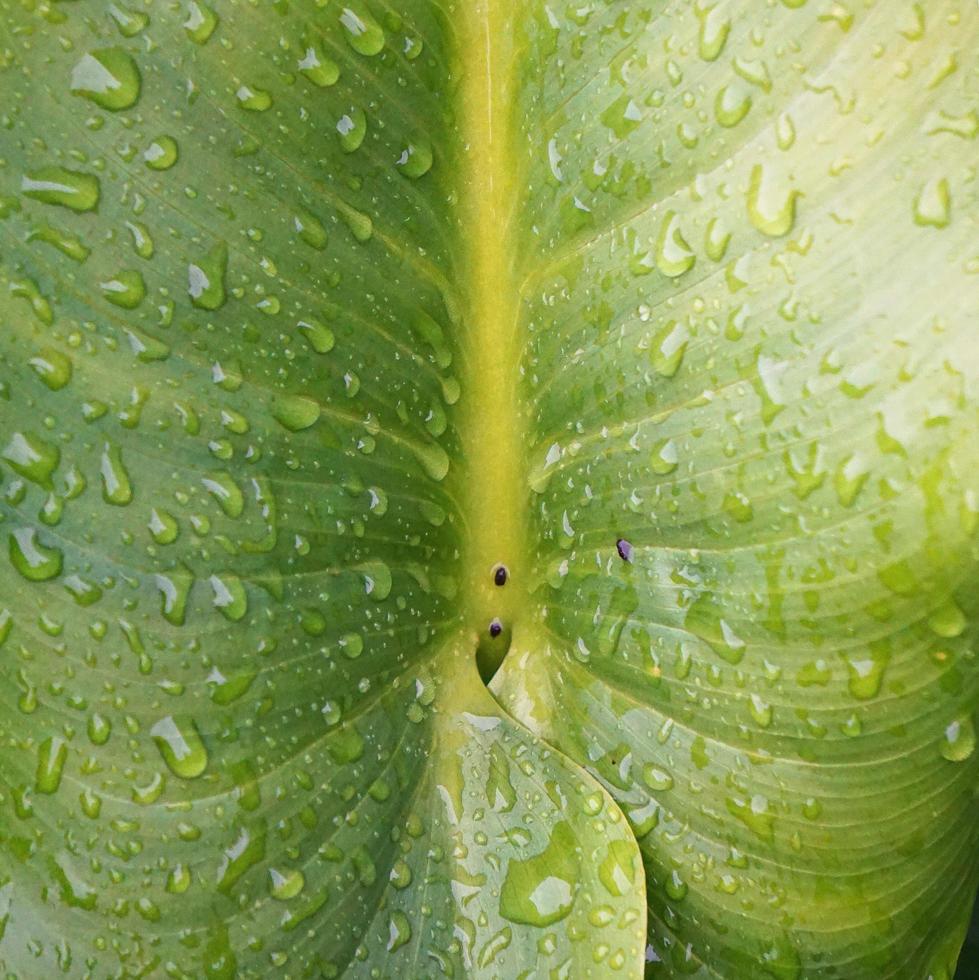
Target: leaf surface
x: 622, y: 355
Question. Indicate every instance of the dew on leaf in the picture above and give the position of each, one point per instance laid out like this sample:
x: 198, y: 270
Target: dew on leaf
x: 35, y: 561
x: 540, y: 890
x: 73, y: 189
x: 320, y: 69
x: 200, y: 23
x: 162, y: 153
x: 959, y: 740
x: 108, y: 77
x: 125, y: 289
x: 51, y: 757
x: 363, y: 33
x: 53, y: 367
x: 352, y: 128
x: 771, y: 206
x: 181, y: 746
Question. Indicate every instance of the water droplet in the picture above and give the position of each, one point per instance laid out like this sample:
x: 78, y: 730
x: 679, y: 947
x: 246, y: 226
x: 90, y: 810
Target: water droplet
x: 229, y: 595
x: 617, y: 871
x: 310, y: 229
x: 352, y: 128
x: 63, y: 241
x: 415, y: 160
x: 108, y: 77
x: 116, y: 487
x: 540, y: 890
x: 142, y: 242
x: 933, y: 205
x: 175, y: 587
x: 948, y: 620
x: 755, y: 814
x: 295, y: 412
x: 253, y: 99
x: 959, y: 741
x: 352, y: 645
x: 52, y: 367
x: 180, y: 745
x: 657, y: 779
x: 162, y: 153
x: 99, y: 729
x: 32, y: 559
x: 760, y: 710
x: 163, y: 526
x: 200, y: 22
x: 663, y: 458
x: 125, y: 289
x: 433, y: 458
x: 674, y: 256
x: 320, y: 69
x: 285, y: 885
x: 364, y: 34
x: 361, y: 226
x: 771, y: 209
x: 731, y: 105
x: 714, y: 29
x: 850, y: 478
x: 866, y: 672
x: 72, y: 189
x: 669, y: 346
x: 206, y: 281
x: 32, y: 457
x: 399, y: 930
x: 226, y: 492
x: 129, y: 22
x: 51, y: 757
x: 622, y: 117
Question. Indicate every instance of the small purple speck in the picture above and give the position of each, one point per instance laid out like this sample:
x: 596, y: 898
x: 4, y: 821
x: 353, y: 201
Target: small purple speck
x: 500, y: 575
x: 624, y: 549
x: 496, y: 628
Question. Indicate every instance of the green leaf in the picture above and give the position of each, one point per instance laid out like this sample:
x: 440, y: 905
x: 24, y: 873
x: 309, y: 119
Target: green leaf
x: 356, y: 357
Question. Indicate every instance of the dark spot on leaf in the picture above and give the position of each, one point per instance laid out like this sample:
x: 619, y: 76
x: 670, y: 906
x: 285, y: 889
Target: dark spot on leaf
x: 624, y: 549
x: 496, y: 628
x: 500, y: 574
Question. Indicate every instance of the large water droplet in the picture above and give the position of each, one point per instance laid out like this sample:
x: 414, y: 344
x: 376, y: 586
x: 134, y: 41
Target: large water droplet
x: 364, y: 34
x: 180, y: 745
x: 205, y: 281
x: 771, y: 208
x: 540, y: 890
x: 51, y: 757
x: 959, y: 741
x: 32, y: 457
x: 116, y: 487
x: 109, y: 77
x: 295, y: 412
x: 72, y: 189
x: 32, y: 559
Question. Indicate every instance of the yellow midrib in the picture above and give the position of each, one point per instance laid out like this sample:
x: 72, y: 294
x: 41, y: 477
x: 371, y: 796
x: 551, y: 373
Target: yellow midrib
x: 493, y: 444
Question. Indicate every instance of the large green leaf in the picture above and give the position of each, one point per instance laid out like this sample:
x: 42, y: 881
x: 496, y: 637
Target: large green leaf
x: 312, y: 315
